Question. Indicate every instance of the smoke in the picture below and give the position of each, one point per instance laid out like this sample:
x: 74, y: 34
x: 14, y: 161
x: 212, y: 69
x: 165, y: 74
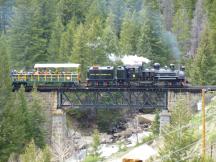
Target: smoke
x: 129, y: 59
x: 172, y: 43
x: 134, y: 60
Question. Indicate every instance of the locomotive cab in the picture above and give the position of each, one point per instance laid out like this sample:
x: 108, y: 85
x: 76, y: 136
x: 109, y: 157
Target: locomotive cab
x: 100, y: 76
x: 121, y: 76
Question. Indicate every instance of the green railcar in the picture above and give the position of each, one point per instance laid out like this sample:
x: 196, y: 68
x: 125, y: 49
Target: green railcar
x: 48, y: 75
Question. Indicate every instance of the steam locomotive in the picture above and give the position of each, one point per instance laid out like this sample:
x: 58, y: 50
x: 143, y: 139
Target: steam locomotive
x: 136, y: 76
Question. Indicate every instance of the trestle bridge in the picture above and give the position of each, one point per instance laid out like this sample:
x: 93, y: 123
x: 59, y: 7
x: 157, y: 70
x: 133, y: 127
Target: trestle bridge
x: 58, y: 99
x: 119, y: 97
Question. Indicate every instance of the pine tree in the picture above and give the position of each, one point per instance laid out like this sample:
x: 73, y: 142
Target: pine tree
x: 212, y: 23
x: 5, y: 82
x: 117, y: 8
x: 12, y: 132
x: 34, y: 154
x: 144, y: 47
x: 187, y: 5
x: 128, y: 39
x: 68, y: 9
x: 181, y: 27
x: 109, y: 36
x: 67, y: 42
x: 36, y: 120
x: 32, y: 118
x: 55, y: 41
x: 95, y: 44
x: 20, y: 33
x: 177, y: 135
x: 96, y: 9
x: 151, y: 43
x: 23, y: 112
x: 204, y: 59
x: 30, y: 32
x: 80, y: 54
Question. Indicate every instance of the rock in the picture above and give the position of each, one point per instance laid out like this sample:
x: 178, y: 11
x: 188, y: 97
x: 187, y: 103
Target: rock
x: 146, y: 118
x: 105, y: 138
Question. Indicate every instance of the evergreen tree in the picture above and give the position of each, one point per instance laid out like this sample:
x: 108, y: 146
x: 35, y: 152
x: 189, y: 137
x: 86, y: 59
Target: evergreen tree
x: 181, y: 27
x: 36, y: 120
x: 212, y: 23
x: 187, y: 5
x: 177, y: 135
x: 34, y: 154
x: 5, y: 83
x: 12, y: 132
x: 68, y: 9
x: 204, y: 59
x: 30, y: 32
x: 31, y: 117
x: 109, y: 37
x: 55, y: 41
x: 96, y: 9
x: 67, y: 42
x: 202, y: 67
x: 80, y: 54
x: 95, y: 44
x: 117, y: 8
x: 24, y: 113
x: 151, y: 43
x: 128, y: 38
x: 144, y: 40
x: 20, y: 35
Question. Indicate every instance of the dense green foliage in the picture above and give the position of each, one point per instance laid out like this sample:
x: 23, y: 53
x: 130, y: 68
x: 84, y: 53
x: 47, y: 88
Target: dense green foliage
x: 203, y: 65
x: 34, y: 154
x: 177, y: 135
x: 19, y: 121
x: 87, y: 32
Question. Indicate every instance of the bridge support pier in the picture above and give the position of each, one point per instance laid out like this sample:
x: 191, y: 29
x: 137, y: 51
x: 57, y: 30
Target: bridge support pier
x: 165, y: 117
x: 58, y: 129
x: 190, y: 100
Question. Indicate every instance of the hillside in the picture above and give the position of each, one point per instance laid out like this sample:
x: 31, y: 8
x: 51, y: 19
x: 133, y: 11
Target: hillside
x: 92, y: 32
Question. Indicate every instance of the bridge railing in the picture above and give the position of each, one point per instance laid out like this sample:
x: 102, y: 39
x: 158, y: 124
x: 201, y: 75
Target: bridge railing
x: 67, y: 77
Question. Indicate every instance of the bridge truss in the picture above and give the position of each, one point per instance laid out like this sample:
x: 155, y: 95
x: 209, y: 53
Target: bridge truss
x: 116, y: 97
x: 108, y: 99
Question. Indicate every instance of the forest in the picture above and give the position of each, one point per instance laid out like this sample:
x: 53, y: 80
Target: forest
x: 88, y: 32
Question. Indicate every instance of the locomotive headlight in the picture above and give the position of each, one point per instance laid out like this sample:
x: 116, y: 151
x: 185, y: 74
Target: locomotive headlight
x: 68, y: 78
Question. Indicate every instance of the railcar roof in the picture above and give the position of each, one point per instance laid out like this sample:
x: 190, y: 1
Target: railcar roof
x: 69, y: 65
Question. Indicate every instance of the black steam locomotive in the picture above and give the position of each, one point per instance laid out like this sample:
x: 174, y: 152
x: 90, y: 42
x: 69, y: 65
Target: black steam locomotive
x: 136, y: 76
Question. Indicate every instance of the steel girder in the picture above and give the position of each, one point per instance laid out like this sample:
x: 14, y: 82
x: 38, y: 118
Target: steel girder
x: 109, y: 99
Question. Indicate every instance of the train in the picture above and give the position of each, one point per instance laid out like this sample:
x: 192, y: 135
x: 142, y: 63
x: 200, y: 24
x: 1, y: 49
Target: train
x: 68, y: 75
